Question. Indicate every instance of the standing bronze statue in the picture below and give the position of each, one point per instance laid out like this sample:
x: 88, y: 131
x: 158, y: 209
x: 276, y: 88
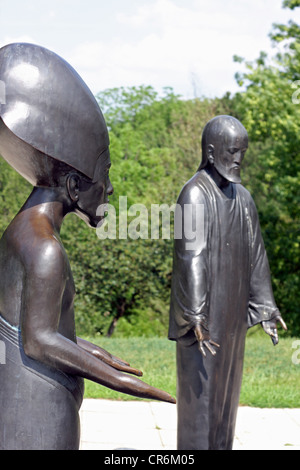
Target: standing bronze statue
x: 53, y: 133
x: 221, y: 286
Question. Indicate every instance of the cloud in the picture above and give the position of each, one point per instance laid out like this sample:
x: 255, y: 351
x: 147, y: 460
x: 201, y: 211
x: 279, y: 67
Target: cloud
x: 13, y: 39
x: 168, y: 45
x: 183, y: 44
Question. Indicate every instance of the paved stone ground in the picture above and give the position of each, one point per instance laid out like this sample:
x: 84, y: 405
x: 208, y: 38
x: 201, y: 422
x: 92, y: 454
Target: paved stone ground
x: 136, y: 425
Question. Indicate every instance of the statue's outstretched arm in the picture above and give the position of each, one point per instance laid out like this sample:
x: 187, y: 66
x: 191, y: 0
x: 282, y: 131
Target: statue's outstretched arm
x: 44, y: 287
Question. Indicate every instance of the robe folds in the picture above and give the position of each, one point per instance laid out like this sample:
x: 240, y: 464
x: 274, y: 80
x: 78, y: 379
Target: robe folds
x: 223, y: 276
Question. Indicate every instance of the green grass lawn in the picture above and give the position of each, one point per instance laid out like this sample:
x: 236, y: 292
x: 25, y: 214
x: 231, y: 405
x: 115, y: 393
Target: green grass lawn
x: 270, y: 378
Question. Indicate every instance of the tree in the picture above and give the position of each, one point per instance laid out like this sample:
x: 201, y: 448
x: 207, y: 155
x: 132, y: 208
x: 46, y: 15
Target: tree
x: 271, y: 113
x: 14, y: 191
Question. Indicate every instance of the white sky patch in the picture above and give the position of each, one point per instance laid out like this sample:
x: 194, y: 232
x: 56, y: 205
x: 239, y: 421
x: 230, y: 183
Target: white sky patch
x: 185, y: 44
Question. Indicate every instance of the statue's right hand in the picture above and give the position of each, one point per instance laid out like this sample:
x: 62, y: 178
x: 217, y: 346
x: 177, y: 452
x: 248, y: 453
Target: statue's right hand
x: 204, y: 341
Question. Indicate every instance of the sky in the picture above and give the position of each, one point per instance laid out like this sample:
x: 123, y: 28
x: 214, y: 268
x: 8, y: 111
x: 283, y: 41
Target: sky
x: 187, y: 45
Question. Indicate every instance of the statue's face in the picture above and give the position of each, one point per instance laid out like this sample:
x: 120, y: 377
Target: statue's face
x: 91, y: 195
x: 228, y: 153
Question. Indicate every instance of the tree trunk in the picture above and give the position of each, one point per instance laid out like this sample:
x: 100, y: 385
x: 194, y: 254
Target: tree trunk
x: 120, y: 313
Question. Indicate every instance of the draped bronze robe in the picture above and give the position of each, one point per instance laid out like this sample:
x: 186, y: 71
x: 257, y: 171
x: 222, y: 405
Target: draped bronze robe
x: 225, y: 277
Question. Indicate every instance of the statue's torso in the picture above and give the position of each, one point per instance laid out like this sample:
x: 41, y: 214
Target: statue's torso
x: 14, y: 281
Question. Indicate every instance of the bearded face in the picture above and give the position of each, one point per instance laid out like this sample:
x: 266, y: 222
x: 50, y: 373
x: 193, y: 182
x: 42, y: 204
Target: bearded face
x: 225, y: 144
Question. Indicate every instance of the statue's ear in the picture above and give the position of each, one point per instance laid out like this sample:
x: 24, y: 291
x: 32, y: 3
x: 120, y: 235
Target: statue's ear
x: 210, y: 154
x: 73, y: 184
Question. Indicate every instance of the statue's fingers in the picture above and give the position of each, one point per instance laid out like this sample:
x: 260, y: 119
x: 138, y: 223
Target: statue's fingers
x: 120, y: 361
x: 131, y: 370
x: 267, y: 328
x: 201, y: 348
x: 211, y: 350
x: 274, y: 336
x: 124, y: 367
x: 198, y: 333
x: 282, y: 323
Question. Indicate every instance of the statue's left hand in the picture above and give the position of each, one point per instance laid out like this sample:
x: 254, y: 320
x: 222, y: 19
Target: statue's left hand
x: 270, y: 327
x: 204, y: 340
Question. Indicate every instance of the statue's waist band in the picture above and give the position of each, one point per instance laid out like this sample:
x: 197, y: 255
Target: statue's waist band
x: 9, y: 332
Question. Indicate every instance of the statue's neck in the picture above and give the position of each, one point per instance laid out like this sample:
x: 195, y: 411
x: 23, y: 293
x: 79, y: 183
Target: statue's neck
x: 46, y: 202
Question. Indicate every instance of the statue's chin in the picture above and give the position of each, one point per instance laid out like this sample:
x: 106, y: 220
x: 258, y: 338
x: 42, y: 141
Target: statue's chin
x: 233, y: 175
x: 92, y: 222
x: 235, y: 179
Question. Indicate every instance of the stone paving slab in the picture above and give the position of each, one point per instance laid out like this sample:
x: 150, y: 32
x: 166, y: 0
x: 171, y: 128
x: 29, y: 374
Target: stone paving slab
x: 138, y: 425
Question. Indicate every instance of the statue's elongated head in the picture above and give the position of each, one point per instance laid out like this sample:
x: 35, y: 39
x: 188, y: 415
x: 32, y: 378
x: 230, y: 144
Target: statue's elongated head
x: 224, y: 143
x: 47, y: 115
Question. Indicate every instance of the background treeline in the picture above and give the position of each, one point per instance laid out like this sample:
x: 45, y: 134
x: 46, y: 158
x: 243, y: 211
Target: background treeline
x: 123, y: 285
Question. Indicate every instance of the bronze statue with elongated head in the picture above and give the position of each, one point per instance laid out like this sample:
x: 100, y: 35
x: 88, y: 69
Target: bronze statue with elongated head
x: 53, y: 133
x: 221, y: 286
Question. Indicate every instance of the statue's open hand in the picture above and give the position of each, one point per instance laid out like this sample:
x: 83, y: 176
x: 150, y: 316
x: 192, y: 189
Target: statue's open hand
x: 204, y: 341
x: 110, y: 374
x: 270, y: 327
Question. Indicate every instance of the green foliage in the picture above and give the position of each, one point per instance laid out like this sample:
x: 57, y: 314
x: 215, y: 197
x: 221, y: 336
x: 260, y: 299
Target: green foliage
x: 271, y: 113
x: 14, y: 191
x: 291, y: 4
